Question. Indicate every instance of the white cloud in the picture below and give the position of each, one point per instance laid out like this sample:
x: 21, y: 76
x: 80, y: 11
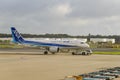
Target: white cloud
x: 61, y: 16
x: 61, y: 9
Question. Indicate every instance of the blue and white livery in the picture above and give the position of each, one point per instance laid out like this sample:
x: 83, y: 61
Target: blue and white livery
x: 52, y: 46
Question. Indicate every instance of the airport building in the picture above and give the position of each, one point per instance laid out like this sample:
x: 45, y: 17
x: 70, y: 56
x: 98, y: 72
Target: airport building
x: 2, y: 39
x: 102, y: 40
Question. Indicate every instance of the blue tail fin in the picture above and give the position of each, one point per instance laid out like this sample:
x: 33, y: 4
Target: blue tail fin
x: 17, y: 38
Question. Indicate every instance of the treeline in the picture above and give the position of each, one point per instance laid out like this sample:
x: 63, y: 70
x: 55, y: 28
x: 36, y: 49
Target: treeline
x: 116, y: 37
x: 59, y: 36
x: 39, y: 36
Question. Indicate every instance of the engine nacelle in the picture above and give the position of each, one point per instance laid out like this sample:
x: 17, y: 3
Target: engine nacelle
x: 53, y: 49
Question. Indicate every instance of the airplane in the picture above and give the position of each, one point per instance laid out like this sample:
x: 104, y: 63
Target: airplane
x: 53, y: 46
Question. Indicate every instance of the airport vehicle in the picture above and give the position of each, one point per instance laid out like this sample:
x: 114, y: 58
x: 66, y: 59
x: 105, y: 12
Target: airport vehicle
x: 97, y: 76
x: 53, y: 46
x: 108, y: 74
x: 80, y: 78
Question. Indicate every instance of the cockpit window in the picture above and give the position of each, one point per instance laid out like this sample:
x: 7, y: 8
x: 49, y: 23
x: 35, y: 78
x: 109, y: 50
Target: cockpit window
x: 82, y: 42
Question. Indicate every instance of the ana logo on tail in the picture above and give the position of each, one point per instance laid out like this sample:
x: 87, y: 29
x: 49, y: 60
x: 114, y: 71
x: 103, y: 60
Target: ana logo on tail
x: 16, y: 34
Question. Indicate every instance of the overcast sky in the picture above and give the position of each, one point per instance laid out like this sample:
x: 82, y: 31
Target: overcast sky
x: 74, y: 17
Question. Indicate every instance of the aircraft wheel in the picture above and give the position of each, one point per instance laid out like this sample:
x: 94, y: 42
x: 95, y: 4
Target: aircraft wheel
x: 83, y: 53
x: 73, y: 53
x: 53, y: 52
x: 46, y: 52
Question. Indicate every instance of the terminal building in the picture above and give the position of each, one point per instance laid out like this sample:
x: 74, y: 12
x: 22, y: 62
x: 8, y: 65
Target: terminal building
x: 2, y: 39
x: 102, y: 40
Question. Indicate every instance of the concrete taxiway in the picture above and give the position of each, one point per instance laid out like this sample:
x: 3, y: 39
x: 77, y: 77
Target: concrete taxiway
x: 50, y: 67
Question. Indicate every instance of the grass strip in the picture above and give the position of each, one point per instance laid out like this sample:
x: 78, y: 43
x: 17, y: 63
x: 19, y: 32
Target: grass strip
x: 108, y: 53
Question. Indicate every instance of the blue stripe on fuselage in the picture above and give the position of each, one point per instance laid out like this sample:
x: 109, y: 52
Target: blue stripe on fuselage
x: 46, y: 44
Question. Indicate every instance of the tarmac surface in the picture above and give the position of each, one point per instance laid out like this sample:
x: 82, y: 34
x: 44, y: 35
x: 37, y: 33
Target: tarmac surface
x: 26, y: 64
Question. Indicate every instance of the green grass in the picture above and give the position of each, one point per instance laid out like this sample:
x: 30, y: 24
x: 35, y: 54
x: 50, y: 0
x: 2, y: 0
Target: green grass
x: 108, y: 53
